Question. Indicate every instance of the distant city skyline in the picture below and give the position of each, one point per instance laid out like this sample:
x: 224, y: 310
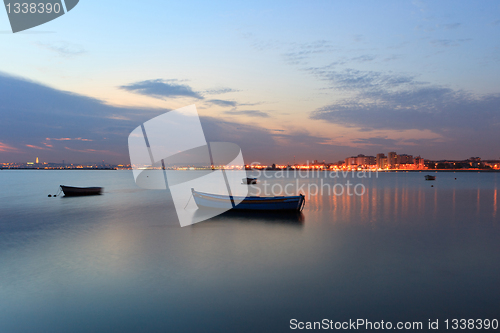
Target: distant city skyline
x: 393, y: 161
x: 283, y: 80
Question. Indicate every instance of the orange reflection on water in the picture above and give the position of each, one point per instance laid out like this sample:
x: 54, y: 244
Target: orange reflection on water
x: 402, y: 202
x: 396, y: 203
x: 495, y: 203
x: 453, y: 203
x: 478, y: 200
x: 435, y: 202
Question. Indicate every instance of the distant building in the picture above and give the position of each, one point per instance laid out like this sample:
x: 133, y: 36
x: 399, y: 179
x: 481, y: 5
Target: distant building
x: 381, y: 161
x: 392, y: 159
x: 405, y: 159
x: 351, y: 161
x: 360, y: 160
x: 365, y: 160
x: 419, y: 162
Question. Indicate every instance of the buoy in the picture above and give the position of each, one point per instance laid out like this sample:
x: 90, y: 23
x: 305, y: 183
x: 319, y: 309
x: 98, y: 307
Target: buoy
x: 49, y: 195
x: 455, y: 179
x: 432, y: 185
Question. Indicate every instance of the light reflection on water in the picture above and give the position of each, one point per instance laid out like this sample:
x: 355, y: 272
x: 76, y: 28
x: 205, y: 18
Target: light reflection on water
x: 402, y: 251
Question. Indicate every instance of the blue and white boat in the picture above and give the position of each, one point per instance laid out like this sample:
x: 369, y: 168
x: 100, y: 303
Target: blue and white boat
x: 286, y: 203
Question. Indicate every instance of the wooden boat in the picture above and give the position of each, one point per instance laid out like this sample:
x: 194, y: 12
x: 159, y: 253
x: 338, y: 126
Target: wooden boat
x: 249, y: 181
x: 429, y: 177
x: 71, y: 191
x: 288, y: 203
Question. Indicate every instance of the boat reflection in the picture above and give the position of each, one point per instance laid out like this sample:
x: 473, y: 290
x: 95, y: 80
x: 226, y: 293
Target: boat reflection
x: 285, y: 218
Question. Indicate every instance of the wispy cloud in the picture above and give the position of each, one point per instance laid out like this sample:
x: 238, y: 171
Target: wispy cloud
x: 89, y: 150
x: 64, y: 49
x: 220, y: 91
x: 299, y: 53
x: 7, y: 148
x: 358, y: 38
x: 37, y: 147
x: 364, y: 58
x: 223, y: 103
x: 68, y: 139
x: 353, y: 79
x: 448, y: 42
x: 250, y: 113
x: 162, y: 88
x: 451, y: 26
x: 377, y: 141
x: 422, y: 6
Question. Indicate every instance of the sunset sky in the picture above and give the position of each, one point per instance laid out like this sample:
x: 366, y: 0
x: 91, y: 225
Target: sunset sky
x: 313, y: 79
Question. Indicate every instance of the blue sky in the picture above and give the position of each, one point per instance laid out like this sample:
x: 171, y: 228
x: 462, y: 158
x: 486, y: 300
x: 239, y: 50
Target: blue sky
x: 319, y: 80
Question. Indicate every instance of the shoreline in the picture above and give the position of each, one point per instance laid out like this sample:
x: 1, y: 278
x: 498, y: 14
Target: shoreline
x: 276, y: 170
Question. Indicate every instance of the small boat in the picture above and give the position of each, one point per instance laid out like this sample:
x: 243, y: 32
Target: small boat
x: 249, y: 181
x: 288, y: 203
x: 71, y: 191
x: 429, y: 177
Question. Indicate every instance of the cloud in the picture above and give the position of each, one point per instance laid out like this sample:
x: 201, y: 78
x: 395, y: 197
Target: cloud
x: 443, y: 42
x: 261, y: 145
x: 448, y: 42
x: 6, y: 148
x: 220, y: 91
x: 64, y: 49
x: 393, y: 102
x: 299, y: 53
x: 358, y: 38
x: 161, y: 88
x: 223, y: 103
x: 433, y: 108
x: 451, y: 26
x: 422, y: 6
x: 250, y: 113
x: 377, y: 141
x: 67, y: 139
x: 37, y: 147
x: 36, y: 115
x: 353, y: 79
x: 364, y: 58
x: 463, y: 124
x: 93, y: 151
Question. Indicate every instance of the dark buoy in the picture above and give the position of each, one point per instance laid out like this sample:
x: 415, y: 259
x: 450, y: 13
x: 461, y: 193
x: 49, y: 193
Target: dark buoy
x: 432, y: 185
x: 49, y: 195
x: 455, y: 179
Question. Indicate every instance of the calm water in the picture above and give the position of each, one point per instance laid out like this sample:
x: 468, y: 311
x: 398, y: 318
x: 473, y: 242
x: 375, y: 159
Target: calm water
x: 403, y: 251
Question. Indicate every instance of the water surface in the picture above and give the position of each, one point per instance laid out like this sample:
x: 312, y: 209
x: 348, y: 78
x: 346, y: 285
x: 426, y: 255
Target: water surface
x: 403, y: 251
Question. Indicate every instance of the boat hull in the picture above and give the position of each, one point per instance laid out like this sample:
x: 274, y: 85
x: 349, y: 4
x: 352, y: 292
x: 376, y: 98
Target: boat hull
x: 249, y: 181
x: 71, y: 191
x: 291, y: 203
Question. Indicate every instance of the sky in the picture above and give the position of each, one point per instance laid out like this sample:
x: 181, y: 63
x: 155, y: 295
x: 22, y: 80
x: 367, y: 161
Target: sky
x: 285, y: 80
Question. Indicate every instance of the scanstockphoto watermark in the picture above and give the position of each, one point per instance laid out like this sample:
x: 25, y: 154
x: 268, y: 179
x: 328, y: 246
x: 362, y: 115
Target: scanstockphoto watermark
x: 331, y: 183
x: 430, y: 324
x: 26, y: 14
x: 310, y: 189
x: 312, y: 173
x: 359, y: 324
